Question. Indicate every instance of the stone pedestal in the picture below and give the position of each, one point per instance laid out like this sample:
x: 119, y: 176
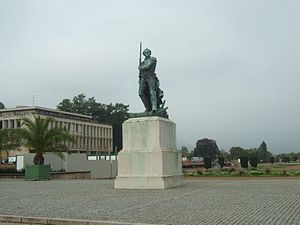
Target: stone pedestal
x: 149, y: 159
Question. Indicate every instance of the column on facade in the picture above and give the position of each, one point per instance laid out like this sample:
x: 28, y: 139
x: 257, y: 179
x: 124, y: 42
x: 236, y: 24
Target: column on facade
x: 78, y: 141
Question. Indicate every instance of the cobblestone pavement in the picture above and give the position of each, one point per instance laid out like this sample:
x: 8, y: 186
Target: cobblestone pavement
x: 199, y: 201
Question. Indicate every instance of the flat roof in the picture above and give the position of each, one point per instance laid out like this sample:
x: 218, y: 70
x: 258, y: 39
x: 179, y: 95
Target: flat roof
x: 22, y: 108
x: 27, y: 108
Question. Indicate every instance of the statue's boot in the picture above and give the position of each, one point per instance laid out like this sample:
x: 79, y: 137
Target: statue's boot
x: 154, y: 102
x: 146, y: 102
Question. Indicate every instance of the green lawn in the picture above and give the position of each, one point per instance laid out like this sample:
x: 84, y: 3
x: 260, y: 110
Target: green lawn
x: 276, y: 165
x: 263, y: 170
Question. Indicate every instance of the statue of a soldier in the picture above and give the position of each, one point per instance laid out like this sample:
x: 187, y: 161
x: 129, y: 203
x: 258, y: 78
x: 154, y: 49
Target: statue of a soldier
x: 149, y: 90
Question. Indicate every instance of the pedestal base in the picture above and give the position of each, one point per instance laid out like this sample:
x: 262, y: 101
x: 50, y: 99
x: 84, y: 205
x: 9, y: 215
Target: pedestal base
x: 147, y: 182
x: 149, y: 159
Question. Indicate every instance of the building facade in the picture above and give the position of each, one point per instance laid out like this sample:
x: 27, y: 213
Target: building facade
x: 90, y: 136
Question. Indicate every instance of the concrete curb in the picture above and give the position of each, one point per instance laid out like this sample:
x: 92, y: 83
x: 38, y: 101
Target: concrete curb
x: 58, y: 221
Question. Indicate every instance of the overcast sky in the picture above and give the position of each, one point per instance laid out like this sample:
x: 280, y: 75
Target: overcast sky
x: 229, y: 69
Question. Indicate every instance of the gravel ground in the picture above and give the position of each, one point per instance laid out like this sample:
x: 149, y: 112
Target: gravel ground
x: 199, y: 201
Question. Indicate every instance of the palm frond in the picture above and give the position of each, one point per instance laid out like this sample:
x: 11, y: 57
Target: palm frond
x: 37, y: 136
x: 8, y: 139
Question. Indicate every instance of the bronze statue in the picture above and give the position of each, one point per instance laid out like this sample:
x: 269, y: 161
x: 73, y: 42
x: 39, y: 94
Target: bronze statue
x: 149, y: 90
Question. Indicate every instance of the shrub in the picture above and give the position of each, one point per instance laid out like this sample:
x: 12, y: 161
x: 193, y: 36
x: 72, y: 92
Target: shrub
x: 199, y: 172
x: 232, y: 169
x: 271, y: 159
x: 268, y: 171
x: 210, y: 170
x: 207, y: 162
x: 241, y: 172
x: 189, y: 174
x: 253, y: 161
x: 295, y: 158
x: 244, y: 161
x: 229, y: 169
x: 297, y: 173
x: 286, y: 159
x: 256, y: 173
x: 221, y: 161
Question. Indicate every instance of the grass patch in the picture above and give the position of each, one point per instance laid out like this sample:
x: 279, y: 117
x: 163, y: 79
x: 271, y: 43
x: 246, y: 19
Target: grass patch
x: 245, y: 173
x: 276, y: 165
x: 262, y: 170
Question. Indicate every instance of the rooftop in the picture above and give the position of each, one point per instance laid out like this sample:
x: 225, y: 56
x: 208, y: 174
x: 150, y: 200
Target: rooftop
x: 50, y: 112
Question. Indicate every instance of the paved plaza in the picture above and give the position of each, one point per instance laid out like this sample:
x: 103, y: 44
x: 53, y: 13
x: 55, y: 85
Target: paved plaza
x: 199, y: 201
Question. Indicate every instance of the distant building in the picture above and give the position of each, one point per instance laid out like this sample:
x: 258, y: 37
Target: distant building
x: 90, y: 136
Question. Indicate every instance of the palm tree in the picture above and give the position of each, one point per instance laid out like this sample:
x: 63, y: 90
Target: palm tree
x: 3, y: 135
x: 8, y: 141
x: 40, y: 138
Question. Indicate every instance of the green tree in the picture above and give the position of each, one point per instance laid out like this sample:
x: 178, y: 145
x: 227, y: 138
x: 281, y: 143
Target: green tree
x: 114, y: 114
x: 65, y: 105
x: 2, y: 105
x: 293, y: 156
x: 190, y: 155
x: 206, y: 148
x: 253, y: 152
x: 224, y: 154
x: 36, y: 135
x: 207, y: 162
x: 3, y: 141
x: 184, y: 151
x: 7, y: 141
x: 281, y: 156
x: 237, y: 152
x: 253, y: 156
x: 263, y: 153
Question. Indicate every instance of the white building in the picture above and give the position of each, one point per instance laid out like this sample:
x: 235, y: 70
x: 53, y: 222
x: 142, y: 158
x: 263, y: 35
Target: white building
x: 90, y: 136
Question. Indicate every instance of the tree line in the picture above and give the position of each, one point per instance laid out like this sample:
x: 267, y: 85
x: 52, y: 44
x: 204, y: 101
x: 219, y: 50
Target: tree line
x: 208, y: 148
x: 114, y: 114
x: 117, y: 113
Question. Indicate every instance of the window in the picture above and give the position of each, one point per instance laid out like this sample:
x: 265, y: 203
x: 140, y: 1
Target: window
x: 18, y: 123
x: 12, y: 124
x: 5, y: 124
